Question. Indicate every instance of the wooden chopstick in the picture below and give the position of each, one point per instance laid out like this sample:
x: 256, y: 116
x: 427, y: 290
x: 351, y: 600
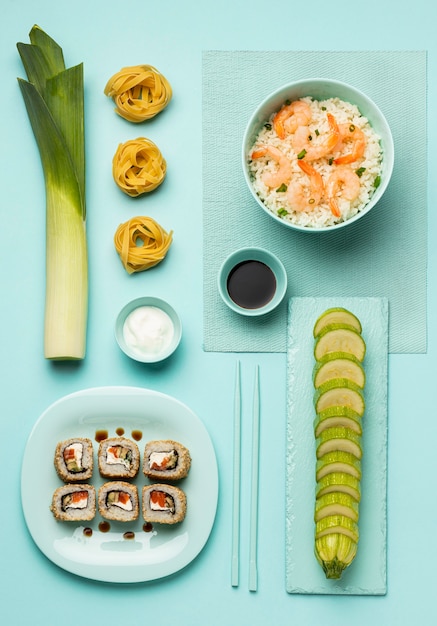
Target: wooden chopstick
x: 235, y: 567
x: 253, y: 567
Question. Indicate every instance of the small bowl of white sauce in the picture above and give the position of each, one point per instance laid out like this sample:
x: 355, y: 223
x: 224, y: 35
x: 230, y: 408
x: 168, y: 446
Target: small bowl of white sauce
x: 148, y: 329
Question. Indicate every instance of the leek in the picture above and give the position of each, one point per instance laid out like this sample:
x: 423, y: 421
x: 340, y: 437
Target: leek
x: 54, y: 100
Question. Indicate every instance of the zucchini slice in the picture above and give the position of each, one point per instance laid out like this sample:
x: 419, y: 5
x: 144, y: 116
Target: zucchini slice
x: 340, y: 338
x: 331, y: 418
x: 339, y: 439
x: 336, y: 315
x: 336, y: 504
x: 338, y: 461
x: 340, y: 523
x: 339, y: 392
x: 338, y: 365
x: 339, y: 482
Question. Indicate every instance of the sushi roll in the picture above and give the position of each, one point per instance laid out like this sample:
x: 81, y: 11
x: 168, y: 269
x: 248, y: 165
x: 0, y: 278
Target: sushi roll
x: 74, y: 459
x: 164, y: 504
x: 118, y: 501
x: 166, y: 460
x: 118, y: 458
x: 74, y: 503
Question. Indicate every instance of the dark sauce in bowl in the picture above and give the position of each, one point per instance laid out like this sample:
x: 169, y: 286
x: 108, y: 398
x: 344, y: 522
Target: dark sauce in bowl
x: 251, y: 284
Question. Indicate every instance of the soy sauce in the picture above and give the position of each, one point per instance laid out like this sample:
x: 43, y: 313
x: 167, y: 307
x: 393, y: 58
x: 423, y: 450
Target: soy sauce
x: 251, y: 284
x: 137, y: 435
x: 101, y: 435
x: 129, y: 535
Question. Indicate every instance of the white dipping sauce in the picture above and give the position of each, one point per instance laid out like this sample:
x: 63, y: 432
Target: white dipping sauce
x: 148, y: 330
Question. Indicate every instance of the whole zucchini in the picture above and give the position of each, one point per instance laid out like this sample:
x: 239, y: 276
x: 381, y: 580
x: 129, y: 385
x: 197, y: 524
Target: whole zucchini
x: 339, y: 381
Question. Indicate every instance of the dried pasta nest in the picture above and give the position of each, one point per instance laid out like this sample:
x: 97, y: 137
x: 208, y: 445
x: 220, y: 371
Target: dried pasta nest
x: 139, y: 92
x: 141, y: 243
x: 138, y: 166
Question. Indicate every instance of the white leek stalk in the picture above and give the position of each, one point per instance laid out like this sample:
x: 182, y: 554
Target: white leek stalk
x: 54, y: 99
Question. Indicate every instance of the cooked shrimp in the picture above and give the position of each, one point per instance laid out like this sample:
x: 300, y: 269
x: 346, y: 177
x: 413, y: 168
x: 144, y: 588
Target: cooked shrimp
x: 303, y: 197
x: 284, y: 171
x: 290, y: 117
x: 343, y: 182
x: 303, y: 138
x: 350, y: 132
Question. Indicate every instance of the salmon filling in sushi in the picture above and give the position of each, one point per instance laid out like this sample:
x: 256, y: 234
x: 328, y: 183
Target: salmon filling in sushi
x: 163, y: 460
x: 161, y: 501
x: 74, y: 459
x: 166, y: 460
x: 164, y: 504
x: 77, y: 500
x: 118, y: 501
x: 73, y: 503
x: 118, y: 458
x: 119, y: 454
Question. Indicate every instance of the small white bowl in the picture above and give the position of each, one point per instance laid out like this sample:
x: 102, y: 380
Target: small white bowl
x: 158, y: 329
x: 245, y: 255
x: 320, y: 89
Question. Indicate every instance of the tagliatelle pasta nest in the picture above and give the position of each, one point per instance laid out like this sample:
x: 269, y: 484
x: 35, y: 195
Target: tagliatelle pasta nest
x: 141, y: 243
x: 139, y: 92
x: 138, y: 166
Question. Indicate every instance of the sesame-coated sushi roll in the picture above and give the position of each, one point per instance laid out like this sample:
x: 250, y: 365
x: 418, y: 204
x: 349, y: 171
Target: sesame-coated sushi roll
x: 166, y: 460
x: 164, y: 504
x: 74, y: 503
x: 118, y: 501
x: 118, y: 458
x: 74, y: 459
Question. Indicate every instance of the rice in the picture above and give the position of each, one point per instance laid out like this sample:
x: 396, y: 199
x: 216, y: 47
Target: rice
x: 319, y: 215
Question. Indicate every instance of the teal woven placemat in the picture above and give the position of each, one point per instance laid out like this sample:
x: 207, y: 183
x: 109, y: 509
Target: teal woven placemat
x: 382, y: 255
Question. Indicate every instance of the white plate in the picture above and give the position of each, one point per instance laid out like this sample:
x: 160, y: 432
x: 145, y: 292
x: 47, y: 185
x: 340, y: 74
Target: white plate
x: 108, y: 556
x: 367, y: 574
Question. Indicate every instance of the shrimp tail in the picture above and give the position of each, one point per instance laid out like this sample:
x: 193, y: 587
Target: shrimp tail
x: 352, y: 133
x: 257, y: 154
x: 334, y: 207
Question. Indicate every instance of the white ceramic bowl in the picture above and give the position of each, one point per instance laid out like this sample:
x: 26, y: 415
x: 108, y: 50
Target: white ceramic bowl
x: 152, y: 343
x: 252, y: 284
x: 320, y: 89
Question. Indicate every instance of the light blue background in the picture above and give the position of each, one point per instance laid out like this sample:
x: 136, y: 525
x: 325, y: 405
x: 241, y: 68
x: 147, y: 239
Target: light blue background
x: 171, y: 35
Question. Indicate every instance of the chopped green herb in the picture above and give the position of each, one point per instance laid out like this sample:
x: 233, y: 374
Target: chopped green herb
x: 301, y: 154
x: 330, y: 161
x: 268, y: 126
x: 352, y: 128
x: 323, y: 108
x: 283, y: 187
x: 360, y: 171
x: 317, y: 132
x: 377, y: 182
x: 282, y: 212
x: 310, y: 137
x: 287, y: 102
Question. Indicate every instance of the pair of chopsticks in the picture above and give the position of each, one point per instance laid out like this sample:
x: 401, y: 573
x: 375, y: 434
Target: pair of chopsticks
x: 253, y: 535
